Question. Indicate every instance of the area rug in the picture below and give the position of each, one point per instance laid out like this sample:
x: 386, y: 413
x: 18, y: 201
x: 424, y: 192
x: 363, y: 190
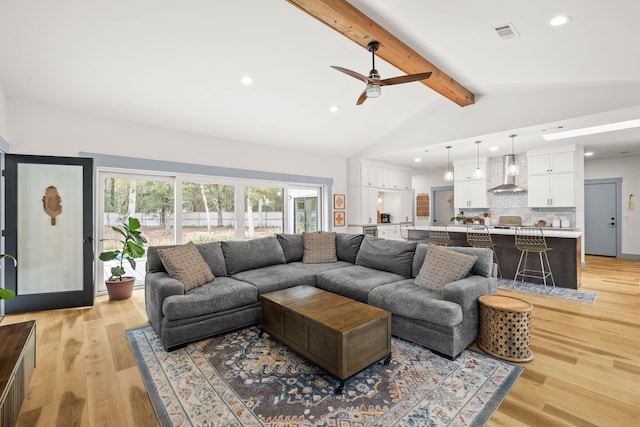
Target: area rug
x: 550, y: 291
x: 241, y: 379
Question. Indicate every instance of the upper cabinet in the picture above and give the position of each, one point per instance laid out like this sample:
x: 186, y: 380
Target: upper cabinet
x: 385, y: 177
x: 552, y: 177
x: 469, y: 191
x: 540, y: 164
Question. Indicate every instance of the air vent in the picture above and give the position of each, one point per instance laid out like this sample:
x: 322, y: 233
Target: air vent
x: 507, y: 31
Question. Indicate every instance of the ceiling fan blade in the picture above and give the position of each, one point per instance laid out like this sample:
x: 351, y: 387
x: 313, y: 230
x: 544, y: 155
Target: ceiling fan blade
x: 351, y: 73
x: 405, y: 79
x: 362, y: 98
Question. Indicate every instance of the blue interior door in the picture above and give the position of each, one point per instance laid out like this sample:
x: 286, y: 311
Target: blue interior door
x: 49, y: 229
x: 600, y: 237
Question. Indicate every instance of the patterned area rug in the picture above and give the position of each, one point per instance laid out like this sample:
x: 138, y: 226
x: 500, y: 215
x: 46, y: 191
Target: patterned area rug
x: 550, y: 291
x: 239, y: 379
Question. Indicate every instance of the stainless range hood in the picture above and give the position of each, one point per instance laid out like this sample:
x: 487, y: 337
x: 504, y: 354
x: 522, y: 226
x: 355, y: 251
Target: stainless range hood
x: 509, y: 182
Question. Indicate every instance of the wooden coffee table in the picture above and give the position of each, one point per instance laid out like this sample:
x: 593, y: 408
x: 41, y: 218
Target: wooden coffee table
x: 339, y: 334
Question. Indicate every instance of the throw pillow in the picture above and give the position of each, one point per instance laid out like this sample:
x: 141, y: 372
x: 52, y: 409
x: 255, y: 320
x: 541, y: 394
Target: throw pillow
x: 442, y: 266
x: 185, y: 263
x: 319, y: 248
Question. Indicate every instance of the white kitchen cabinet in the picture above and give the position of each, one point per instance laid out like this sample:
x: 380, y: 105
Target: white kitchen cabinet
x: 361, y: 206
x: 465, y: 170
x: 391, y: 232
x: 468, y: 191
x: 551, y: 163
x: 552, y: 190
x: 552, y: 178
x: 379, y: 176
x: 406, y: 207
x: 399, y: 179
x: 470, y: 194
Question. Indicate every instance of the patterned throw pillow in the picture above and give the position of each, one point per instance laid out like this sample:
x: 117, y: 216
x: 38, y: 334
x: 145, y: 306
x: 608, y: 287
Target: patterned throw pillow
x: 442, y: 266
x: 319, y: 248
x: 185, y: 263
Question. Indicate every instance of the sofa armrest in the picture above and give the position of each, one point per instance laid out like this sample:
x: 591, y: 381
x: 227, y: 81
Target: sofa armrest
x: 158, y: 286
x: 466, y: 292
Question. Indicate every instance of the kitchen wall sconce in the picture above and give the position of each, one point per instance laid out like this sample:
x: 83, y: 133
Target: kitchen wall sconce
x: 478, y: 173
x: 448, y: 175
x: 513, y: 167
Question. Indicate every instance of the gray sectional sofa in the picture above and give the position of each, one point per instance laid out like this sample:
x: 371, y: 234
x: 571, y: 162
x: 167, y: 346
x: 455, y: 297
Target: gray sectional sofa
x: 372, y: 270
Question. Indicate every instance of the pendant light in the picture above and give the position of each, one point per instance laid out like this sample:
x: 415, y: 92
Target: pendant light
x: 478, y: 173
x: 513, y: 169
x: 448, y: 175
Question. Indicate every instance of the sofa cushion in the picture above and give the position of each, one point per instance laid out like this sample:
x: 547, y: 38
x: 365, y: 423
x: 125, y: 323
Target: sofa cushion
x: 186, y: 264
x: 213, y: 256
x: 319, y: 268
x: 243, y: 255
x: 347, y: 246
x: 276, y: 277
x: 319, y: 247
x: 411, y: 301
x: 394, y: 256
x: 354, y: 282
x: 291, y: 246
x: 442, y: 266
x: 483, y: 266
x: 224, y: 293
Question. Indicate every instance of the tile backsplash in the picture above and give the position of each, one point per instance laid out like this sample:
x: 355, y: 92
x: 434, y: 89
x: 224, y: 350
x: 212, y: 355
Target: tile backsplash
x: 516, y: 203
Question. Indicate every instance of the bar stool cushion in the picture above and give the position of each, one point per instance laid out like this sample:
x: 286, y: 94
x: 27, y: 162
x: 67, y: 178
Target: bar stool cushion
x: 442, y: 266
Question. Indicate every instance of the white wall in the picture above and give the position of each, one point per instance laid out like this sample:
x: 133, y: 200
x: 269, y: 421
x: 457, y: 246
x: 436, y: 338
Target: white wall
x: 43, y: 130
x: 3, y: 113
x: 422, y: 183
x: 628, y: 169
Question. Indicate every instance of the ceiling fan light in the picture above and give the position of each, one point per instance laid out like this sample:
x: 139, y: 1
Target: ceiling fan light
x: 373, y: 90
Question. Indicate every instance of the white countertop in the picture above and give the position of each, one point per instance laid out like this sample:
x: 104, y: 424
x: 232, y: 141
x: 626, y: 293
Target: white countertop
x: 570, y: 233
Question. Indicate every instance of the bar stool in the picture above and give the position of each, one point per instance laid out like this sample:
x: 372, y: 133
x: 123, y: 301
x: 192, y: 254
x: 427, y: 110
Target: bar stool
x: 439, y: 237
x: 408, y: 232
x: 478, y: 236
x: 531, y: 239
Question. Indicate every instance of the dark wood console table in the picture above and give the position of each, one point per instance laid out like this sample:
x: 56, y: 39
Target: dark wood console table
x: 17, y: 362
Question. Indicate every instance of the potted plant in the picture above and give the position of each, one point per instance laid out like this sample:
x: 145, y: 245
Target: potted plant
x: 459, y: 218
x: 7, y: 294
x: 120, y: 286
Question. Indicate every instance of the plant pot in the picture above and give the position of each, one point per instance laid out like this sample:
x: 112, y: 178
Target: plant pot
x: 120, y: 289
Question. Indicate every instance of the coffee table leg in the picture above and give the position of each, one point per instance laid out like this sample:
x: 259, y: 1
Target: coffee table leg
x: 340, y: 387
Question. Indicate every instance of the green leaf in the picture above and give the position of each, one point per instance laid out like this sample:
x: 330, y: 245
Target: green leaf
x: 6, y: 294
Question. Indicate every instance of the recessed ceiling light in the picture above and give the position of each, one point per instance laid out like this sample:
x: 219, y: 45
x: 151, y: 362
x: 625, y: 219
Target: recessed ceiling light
x: 333, y: 108
x: 588, y: 154
x: 494, y: 148
x: 417, y: 160
x: 246, y: 80
x: 559, y: 20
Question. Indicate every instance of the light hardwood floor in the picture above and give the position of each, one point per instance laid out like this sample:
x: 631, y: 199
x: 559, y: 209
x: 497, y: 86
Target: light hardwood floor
x: 586, y: 367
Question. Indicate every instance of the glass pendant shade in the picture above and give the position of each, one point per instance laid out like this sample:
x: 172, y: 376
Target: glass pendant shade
x: 448, y: 175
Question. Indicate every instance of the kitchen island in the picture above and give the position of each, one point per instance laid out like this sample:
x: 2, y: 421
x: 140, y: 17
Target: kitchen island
x: 565, y: 256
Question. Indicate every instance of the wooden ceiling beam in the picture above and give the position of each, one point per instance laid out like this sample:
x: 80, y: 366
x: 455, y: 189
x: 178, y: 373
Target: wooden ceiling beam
x: 353, y: 24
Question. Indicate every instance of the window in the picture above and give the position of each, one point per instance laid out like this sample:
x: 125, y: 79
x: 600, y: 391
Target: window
x: 264, y: 214
x: 177, y: 208
x: 208, y: 212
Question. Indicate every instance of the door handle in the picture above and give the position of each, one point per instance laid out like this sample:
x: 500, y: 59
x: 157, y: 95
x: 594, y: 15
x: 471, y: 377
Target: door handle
x: 88, y: 240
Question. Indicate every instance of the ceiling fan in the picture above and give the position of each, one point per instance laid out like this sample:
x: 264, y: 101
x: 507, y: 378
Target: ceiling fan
x: 373, y: 82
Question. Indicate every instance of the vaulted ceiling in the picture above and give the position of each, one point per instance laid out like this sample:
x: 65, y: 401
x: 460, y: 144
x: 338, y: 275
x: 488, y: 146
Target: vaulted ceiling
x: 179, y: 65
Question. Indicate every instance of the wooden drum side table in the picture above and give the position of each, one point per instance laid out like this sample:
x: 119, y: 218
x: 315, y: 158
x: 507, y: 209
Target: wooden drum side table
x: 505, y: 327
